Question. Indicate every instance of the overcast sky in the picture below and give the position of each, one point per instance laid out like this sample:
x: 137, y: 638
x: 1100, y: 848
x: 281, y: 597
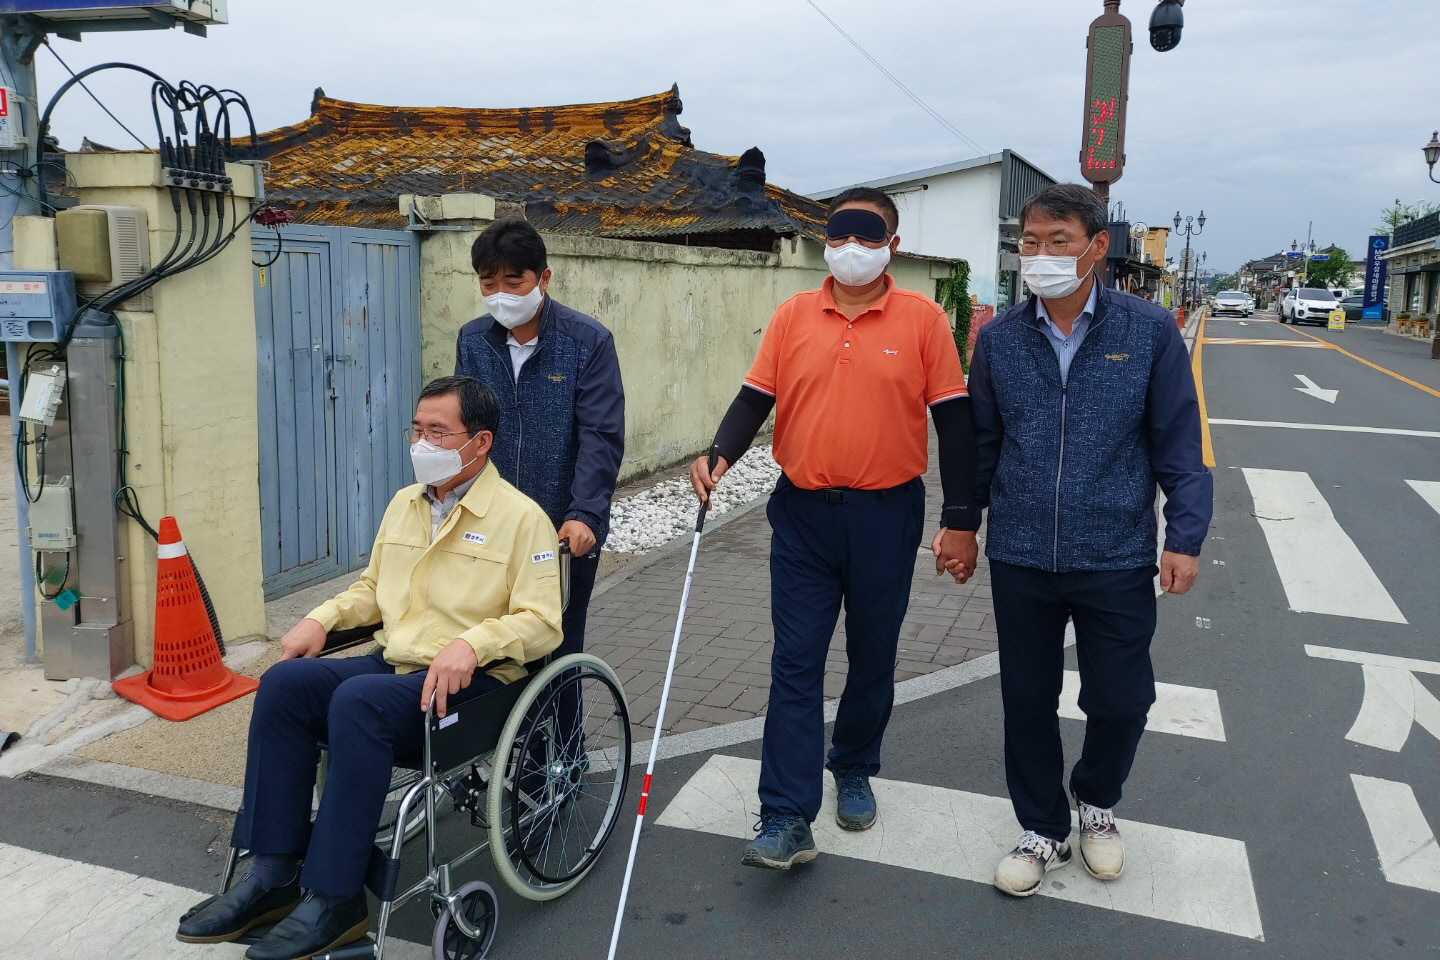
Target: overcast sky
x: 1270, y: 113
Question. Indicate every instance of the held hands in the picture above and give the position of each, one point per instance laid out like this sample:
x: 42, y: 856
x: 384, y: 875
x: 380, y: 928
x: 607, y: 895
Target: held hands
x: 305, y: 639
x: 449, y: 673
x: 1178, y: 572
x: 702, y: 479
x: 580, y: 537
x: 956, y: 552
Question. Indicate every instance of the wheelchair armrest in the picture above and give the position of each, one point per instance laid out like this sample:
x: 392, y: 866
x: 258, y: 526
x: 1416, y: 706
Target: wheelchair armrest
x: 337, y: 640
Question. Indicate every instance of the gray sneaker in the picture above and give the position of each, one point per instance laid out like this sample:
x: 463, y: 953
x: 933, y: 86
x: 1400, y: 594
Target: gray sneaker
x: 1023, y: 869
x: 782, y: 840
x: 854, y: 800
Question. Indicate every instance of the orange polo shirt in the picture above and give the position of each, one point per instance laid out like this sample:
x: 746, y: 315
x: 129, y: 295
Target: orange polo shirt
x: 851, y: 396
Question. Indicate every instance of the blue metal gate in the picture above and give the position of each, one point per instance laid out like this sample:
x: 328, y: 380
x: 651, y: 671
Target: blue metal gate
x: 337, y: 320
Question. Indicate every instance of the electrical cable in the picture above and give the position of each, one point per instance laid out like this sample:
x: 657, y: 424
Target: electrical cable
x: 143, y: 144
x: 949, y: 127
x: 40, y: 576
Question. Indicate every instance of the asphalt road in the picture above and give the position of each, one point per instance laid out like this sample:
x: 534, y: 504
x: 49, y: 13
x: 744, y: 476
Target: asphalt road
x: 1267, y: 811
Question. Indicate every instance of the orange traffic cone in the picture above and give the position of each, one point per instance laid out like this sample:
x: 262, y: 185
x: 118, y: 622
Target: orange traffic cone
x: 188, y: 677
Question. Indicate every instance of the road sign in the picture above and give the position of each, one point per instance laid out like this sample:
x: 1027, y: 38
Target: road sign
x: 1319, y: 256
x: 1294, y: 255
x: 1107, y: 75
x: 1337, y: 319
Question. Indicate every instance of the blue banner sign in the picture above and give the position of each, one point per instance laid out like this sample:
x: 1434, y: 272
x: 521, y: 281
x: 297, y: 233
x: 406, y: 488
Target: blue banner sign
x: 1375, y: 270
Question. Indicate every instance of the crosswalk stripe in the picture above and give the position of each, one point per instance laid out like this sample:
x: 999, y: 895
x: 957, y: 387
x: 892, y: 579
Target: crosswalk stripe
x: 1186, y: 711
x: 1429, y: 490
x: 1336, y: 427
x: 1405, y: 843
x: 1320, y: 567
x: 57, y: 908
x: 1175, y: 875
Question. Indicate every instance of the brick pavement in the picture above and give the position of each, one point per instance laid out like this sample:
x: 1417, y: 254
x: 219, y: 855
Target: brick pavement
x: 722, y: 671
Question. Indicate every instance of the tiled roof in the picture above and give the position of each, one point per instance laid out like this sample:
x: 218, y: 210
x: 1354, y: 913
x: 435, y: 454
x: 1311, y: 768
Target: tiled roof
x: 623, y: 169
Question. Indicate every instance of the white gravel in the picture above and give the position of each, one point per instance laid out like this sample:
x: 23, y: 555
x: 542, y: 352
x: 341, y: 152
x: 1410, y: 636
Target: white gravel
x: 654, y: 517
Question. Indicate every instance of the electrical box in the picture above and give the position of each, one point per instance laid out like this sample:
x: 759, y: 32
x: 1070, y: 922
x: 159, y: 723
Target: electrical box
x: 36, y: 306
x: 52, y: 518
x: 105, y: 246
x: 43, y: 391
x: 11, y: 135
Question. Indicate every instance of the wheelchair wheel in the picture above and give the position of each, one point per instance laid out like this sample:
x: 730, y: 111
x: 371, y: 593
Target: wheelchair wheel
x: 560, y: 770
x: 401, y: 779
x: 480, y: 910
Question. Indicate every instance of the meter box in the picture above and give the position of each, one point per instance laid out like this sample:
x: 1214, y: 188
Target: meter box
x: 36, y: 306
x: 52, y: 518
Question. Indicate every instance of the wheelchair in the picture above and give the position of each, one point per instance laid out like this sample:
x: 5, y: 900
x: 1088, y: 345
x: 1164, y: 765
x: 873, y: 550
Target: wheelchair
x: 540, y: 766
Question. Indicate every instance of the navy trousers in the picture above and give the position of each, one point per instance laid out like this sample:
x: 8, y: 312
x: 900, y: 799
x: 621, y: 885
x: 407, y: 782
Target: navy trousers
x: 854, y: 549
x: 370, y: 716
x: 1114, y: 615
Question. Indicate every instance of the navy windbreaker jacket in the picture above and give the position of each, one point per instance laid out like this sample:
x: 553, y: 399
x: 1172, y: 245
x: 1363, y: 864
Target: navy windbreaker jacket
x: 562, y: 424
x: 1069, y: 471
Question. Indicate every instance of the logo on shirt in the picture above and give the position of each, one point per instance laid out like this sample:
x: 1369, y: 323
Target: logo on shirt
x: 542, y: 557
x: 891, y: 353
x: 474, y: 538
x: 1117, y: 356
x: 557, y: 377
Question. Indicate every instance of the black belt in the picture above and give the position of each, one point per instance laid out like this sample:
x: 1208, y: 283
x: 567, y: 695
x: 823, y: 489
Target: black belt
x: 842, y: 494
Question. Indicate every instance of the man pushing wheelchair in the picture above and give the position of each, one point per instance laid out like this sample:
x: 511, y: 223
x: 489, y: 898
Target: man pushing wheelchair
x: 465, y: 579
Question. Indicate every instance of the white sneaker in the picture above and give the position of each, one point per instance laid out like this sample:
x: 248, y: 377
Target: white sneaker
x: 1023, y: 869
x: 1101, y: 849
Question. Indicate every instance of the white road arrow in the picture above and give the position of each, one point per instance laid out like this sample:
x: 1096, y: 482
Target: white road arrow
x: 1314, y: 390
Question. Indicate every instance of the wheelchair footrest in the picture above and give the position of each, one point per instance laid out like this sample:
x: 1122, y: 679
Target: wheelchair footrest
x: 382, y: 875
x: 359, y: 950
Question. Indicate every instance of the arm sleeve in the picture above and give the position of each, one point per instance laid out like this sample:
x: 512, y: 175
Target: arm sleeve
x: 989, y: 431
x: 1173, y: 423
x: 742, y: 421
x: 530, y: 627
x: 600, y: 424
x: 956, y: 432
x: 356, y: 606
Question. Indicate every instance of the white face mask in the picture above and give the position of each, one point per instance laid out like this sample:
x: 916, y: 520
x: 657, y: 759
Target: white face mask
x: 434, y: 465
x: 855, y: 265
x: 1052, y: 278
x: 510, y: 310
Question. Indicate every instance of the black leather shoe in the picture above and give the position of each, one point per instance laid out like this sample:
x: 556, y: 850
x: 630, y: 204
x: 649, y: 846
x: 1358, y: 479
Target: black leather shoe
x: 232, y: 915
x: 314, y: 928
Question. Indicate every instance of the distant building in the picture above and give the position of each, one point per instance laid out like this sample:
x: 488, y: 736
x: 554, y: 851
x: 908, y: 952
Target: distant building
x: 1414, y: 268
x: 968, y: 210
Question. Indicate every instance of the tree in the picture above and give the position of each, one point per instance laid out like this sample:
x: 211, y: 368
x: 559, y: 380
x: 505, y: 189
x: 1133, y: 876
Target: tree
x: 953, y: 295
x: 1334, y: 272
x: 1391, y: 217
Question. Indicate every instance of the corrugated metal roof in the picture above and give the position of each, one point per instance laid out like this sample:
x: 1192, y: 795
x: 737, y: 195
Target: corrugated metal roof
x: 621, y: 169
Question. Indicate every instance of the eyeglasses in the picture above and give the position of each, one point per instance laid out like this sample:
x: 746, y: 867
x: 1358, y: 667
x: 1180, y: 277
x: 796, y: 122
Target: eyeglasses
x: 434, y: 436
x: 1029, y: 246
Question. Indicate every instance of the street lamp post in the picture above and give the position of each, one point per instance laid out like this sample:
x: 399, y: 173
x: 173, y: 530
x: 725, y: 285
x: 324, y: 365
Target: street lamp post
x: 1432, y: 153
x: 1195, y: 226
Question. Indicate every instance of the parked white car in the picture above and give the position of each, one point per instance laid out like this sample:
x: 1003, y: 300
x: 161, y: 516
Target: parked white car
x: 1307, y: 305
x: 1232, y: 301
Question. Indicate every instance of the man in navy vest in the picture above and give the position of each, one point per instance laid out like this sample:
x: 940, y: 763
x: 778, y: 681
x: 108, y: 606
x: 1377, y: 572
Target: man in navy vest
x: 562, y: 405
x: 1083, y: 401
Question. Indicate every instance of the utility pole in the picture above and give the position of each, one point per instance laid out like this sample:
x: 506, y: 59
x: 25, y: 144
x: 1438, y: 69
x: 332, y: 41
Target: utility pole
x: 17, y: 71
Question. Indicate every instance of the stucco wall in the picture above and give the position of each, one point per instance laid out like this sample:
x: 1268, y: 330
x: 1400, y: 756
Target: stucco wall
x: 686, y: 320
x: 190, y: 386
x: 955, y: 215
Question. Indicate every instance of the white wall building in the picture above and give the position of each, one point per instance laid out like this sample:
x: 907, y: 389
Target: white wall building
x: 968, y: 210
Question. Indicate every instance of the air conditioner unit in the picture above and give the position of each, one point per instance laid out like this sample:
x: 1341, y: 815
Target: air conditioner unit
x: 105, y: 246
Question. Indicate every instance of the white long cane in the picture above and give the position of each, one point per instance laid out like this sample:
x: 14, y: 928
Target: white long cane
x: 660, y: 719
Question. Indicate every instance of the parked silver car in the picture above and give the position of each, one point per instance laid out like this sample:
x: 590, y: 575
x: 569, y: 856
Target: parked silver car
x: 1307, y: 305
x: 1233, y: 301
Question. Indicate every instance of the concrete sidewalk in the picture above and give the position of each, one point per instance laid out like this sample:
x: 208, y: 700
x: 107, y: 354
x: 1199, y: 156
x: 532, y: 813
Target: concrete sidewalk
x: 79, y: 730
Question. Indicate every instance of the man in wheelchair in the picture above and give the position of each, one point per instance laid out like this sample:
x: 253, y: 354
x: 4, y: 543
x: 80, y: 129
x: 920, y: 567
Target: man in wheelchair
x: 465, y: 579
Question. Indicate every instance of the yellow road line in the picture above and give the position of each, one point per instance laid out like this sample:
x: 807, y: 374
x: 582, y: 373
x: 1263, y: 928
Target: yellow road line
x: 1376, y: 366
x: 1207, y: 449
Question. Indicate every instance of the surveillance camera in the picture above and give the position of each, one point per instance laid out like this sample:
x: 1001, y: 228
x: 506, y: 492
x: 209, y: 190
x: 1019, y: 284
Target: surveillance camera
x: 1165, y: 24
